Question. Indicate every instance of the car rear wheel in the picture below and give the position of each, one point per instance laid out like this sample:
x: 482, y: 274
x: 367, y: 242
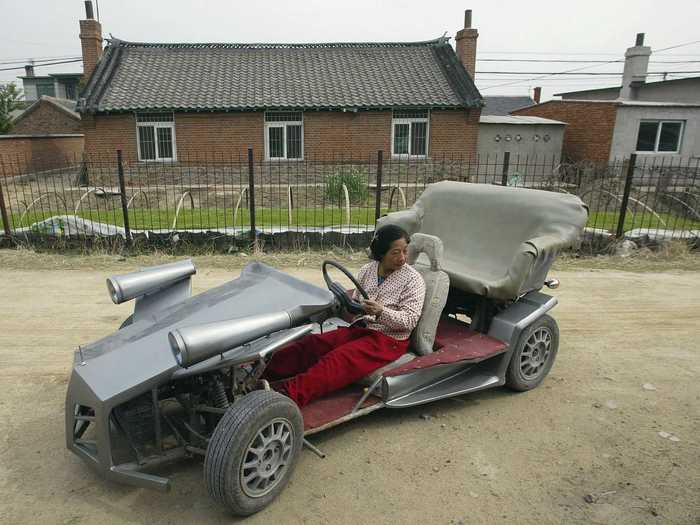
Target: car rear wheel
x: 534, y: 355
x: 253, y: 451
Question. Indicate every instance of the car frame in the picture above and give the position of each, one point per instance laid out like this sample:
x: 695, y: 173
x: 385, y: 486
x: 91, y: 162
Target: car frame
x: 184, y: 375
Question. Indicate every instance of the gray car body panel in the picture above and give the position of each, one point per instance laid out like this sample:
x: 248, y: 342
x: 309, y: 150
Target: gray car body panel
x: 138, y: 358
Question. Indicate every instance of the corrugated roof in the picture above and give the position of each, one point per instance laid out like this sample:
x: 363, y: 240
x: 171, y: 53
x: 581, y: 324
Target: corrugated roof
x: 617, y: 88
x: 237, y: 77
x: 520, y: 119
x: 503, y: 105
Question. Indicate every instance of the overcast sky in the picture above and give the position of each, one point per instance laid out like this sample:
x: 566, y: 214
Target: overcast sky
x: 550, y: 30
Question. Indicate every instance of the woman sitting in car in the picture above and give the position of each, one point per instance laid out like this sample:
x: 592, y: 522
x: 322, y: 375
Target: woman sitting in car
x: 319, y: 364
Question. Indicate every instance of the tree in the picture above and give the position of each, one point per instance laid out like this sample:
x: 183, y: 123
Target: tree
x: 9, y: 101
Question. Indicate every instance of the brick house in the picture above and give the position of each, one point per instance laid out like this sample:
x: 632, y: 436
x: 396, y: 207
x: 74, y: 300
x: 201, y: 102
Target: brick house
x: 159, y: 101
x: 659, y: 120
x: 48, y: 115
x: 45, y: 136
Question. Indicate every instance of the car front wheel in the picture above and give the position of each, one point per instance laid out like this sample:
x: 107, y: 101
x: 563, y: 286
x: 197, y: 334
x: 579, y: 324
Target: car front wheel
x: 253, y: 451
x: 533, y: 355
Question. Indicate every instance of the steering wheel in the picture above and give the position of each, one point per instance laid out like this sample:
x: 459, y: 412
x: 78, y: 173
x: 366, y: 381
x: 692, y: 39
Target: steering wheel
x: 352, y: 306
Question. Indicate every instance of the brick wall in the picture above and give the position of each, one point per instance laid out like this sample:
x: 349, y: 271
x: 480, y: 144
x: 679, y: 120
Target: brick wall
x: 454, y: 133
x: 105, y: 134
x: 326, y: 134
x: 228, y: 134
x: 28, y: 153
x: 357, y: 135
x: 590, y: 126
x: 45, y: 119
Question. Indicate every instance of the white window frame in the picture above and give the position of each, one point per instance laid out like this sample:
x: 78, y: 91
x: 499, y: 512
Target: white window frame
x: 282, y: 124
x: 157, y: 124
x: 409, y: 121
x: 658, y: 136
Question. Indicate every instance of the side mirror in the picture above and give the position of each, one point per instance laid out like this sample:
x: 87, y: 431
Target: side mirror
x: 552, y: 284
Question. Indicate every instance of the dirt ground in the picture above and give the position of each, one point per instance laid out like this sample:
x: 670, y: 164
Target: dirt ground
x: 496, y: 457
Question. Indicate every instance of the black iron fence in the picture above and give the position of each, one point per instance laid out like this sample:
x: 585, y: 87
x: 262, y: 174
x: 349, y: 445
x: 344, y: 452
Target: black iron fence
x: 319, y: 201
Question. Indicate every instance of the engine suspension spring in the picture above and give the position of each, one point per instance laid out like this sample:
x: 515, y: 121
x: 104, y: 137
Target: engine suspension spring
x: 219, y: 394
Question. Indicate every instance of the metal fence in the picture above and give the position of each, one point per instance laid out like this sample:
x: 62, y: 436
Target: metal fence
x: 320, y: 201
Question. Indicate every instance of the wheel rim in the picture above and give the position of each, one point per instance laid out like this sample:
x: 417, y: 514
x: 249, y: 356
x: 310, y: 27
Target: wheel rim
x: 267, y: 458
x: 535, y: 354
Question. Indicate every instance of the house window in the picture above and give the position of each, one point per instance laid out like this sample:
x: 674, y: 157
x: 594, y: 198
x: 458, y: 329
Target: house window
x: 409, y: 133
x: 156, y: 136
x: 45, y: 87
x: 660, y: 136
x: 284, y: 135
x: 71, y: 90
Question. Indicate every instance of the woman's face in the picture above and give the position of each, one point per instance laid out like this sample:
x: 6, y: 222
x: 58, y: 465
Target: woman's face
x: 395, y: 258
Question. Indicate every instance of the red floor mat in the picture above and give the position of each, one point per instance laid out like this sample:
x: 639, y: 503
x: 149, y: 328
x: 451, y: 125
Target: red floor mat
x: 455, y: 342
x: 334, y: 406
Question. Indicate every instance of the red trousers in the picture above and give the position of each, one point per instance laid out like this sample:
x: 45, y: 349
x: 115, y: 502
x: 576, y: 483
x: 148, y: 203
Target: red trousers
x: 323, y: 363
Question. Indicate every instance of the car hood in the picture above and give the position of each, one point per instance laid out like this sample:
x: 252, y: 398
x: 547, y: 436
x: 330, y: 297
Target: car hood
x: 138, y: 357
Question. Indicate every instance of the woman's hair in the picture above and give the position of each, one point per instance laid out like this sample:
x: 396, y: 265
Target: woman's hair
x: 383, y: 237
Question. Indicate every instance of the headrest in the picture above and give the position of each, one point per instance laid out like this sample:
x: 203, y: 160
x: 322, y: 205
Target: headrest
x: 430, y: 245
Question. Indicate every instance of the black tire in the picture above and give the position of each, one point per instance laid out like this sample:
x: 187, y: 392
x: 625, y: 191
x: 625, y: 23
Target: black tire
x: 534, y: 355
x: 129, y: 320
x: 242, y: 425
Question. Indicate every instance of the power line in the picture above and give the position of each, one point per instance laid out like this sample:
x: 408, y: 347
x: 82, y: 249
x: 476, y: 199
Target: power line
x: 41, y: 65
x: 577, y: 73
x: 581, y: 68
x: 563, y: 54
x: 676, y: 46
x: 547, y: 60
x: 35, y: 61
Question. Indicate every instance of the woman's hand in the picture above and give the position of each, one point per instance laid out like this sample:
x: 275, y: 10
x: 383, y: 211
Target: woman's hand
x: 373, y: 307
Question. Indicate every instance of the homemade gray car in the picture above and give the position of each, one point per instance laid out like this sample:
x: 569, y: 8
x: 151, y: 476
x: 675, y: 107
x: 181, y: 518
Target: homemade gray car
x: 184, y: 376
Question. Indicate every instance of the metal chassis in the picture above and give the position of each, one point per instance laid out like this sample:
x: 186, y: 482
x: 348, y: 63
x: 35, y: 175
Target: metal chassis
x: 414, y: 388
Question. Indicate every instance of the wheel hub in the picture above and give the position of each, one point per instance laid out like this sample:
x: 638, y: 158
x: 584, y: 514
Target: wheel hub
x: 267, y: 457
x: 535, y: 353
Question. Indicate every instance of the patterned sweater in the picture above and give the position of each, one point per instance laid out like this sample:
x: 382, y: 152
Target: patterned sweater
x: 401, y: 294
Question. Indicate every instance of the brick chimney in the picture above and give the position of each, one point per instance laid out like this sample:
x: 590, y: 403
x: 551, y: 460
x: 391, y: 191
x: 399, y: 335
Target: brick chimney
x: 90, y: 40
x: 466, y: 44
x: 634, y: 74
x: 537, y: 94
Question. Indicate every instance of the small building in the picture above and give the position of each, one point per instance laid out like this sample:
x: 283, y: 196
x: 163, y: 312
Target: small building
x: 658, y: 120
x: 48, y: 115
x: 58, y: 85
x: 158, y: 101
x: 533, y: 143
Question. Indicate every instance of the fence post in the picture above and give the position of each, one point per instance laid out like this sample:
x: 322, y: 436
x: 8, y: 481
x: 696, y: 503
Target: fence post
x: 506, y: 165
x: 3, y: 210
x: 122, y: 195
x: 626, y: 195
x: 378, y: 195
x: 251, y: 199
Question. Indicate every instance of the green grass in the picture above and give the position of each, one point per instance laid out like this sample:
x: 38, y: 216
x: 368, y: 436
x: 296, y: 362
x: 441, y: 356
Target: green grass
x: 203, y: 218
x: 608, y: 221
x: 212, y: 217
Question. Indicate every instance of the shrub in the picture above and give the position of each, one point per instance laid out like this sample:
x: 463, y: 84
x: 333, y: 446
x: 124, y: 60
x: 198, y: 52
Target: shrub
x: 354, y: 181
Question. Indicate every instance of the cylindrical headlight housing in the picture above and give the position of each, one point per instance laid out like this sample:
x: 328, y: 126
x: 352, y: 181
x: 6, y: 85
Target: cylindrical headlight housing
x: 193, y: 344
x: 128, y: 286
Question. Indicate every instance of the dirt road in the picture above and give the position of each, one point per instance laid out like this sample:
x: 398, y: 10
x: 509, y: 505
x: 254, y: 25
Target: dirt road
x: 494, y: 457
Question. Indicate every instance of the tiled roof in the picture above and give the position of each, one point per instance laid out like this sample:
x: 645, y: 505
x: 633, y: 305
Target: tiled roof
x: 503, y: 105
x: 237, y: 77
